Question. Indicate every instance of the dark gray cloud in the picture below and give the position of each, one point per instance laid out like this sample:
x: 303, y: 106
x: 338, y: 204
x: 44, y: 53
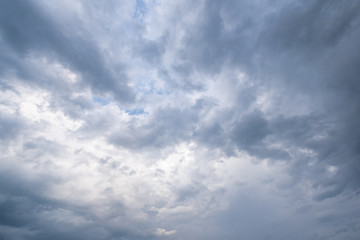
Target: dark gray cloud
x: 10, y: 126
x: 302, y: 51
x: 168, y: 126
x: 311, y: 26
x: 250, y: 130
x: 28, y: 213
x: 211, y: 43
x: 26, y: 30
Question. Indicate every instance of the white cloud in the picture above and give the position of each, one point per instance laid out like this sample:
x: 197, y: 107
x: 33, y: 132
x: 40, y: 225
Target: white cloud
x: 162, y: 232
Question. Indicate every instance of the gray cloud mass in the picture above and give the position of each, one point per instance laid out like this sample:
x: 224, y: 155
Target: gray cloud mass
x: 154, y: 119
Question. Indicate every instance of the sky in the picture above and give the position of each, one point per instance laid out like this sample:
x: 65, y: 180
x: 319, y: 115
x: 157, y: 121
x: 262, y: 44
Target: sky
x: 174, y: 120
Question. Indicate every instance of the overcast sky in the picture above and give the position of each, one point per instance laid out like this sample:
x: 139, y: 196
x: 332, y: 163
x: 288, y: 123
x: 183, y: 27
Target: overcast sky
x: 199, y: 120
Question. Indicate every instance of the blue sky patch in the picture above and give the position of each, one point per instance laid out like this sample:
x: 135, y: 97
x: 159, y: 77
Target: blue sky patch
x: 140, y: 9
x: 135, y: 111
x: 102, y: 101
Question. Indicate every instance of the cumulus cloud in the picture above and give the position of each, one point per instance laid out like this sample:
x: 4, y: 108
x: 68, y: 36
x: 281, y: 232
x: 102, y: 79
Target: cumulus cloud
x: 156, y: 119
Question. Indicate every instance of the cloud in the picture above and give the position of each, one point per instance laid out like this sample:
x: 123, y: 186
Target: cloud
x: 162, y: 232
x: 22, y: 34
x: 179, y: 120
x: 10, y: 125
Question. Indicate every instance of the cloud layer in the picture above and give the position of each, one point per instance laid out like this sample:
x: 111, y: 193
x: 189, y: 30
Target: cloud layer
x: 179, y: 120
